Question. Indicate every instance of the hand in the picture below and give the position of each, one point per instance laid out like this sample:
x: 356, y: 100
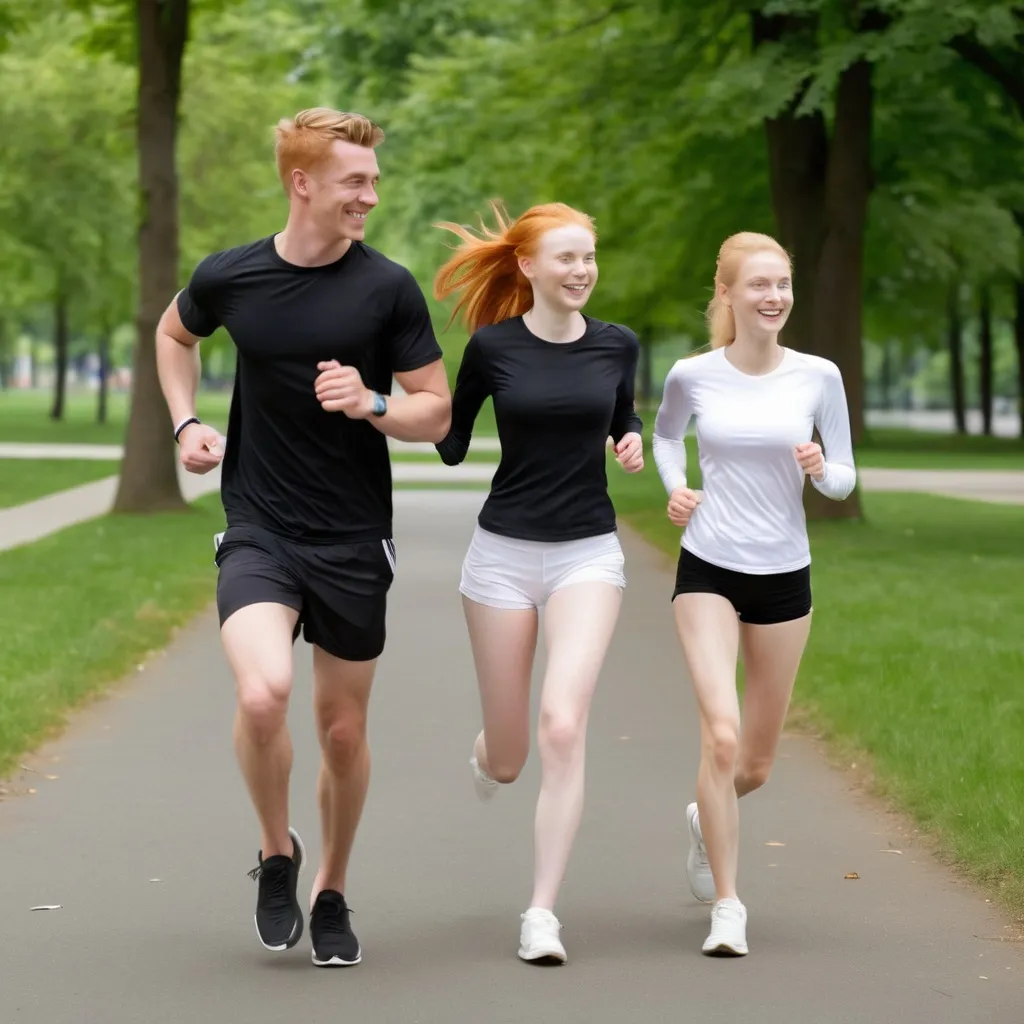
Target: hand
x: 341, y: 389
x: 812, y: 462
x: 681, y: 503
x: 200, y: 448
x: 629, y: 453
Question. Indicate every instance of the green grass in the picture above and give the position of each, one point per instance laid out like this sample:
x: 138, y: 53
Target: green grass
x: 916, y: 660
x: 24, y: 480
x: 85, y: 605
x: 25, y: 416
x: 909, y: 449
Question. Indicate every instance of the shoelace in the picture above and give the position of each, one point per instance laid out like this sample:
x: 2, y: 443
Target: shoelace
x: 274, y: 876
x: 332, y: 916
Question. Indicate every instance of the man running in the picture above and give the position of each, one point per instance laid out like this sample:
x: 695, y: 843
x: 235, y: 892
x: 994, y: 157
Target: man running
x: 321, y: 323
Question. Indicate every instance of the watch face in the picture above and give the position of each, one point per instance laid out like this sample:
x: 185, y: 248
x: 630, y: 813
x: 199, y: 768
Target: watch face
x: 380, y: 406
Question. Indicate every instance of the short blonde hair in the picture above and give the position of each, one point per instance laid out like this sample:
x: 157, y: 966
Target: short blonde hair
x: 305, y: 139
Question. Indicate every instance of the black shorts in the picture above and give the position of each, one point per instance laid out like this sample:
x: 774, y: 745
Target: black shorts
x: 339, y: 590
x: 760, y: 600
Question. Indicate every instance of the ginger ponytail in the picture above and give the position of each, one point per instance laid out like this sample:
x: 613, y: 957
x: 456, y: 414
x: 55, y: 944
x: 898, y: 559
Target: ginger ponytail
x: 485, y: 267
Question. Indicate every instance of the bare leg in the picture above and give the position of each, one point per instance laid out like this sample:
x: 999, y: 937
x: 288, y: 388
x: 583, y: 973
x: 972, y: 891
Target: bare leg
x: 709, y: 632
x: 771, y: 659
x: 257, y: 640
x: 504, y: 642
x: 579, y: 622
x: 341, y: 697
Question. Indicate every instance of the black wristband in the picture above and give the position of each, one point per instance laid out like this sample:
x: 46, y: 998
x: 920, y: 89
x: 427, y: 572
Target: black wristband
x: 183, y: 424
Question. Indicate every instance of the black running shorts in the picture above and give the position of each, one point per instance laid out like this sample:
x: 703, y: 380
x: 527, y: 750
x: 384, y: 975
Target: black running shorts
x: 760, y: 600
x: 339, y: 590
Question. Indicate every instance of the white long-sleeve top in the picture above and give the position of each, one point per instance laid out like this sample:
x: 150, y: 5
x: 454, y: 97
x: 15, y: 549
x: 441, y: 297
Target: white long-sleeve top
x: 751, y: 516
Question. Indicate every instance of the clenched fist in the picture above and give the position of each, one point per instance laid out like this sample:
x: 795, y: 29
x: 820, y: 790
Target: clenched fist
x: 200, y: 448
x: 629, y: 453
x: 341, y: 389
x: 812, y: 462
x: 681, y: 503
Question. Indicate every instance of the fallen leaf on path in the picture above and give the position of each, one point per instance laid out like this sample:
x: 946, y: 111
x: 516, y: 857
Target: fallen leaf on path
x: 156, y: 879
x: 50, y: 906
x: 31, y: 790
x: 983, y: 977
x: 851, y: 874
x: 900, y: 852
x: 774, y: 844
x: 52, y: 778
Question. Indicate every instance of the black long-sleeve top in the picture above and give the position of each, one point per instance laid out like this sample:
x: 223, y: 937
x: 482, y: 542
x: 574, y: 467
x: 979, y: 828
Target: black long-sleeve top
x: 556, y: 403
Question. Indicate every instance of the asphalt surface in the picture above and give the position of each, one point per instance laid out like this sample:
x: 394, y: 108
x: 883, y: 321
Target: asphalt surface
x: 140, y: 830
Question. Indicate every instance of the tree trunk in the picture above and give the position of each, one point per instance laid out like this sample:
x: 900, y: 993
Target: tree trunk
x: 955, y: 340
x: 60, y: 352
x: 5, y: 356
x: 985, y: 358
x: 1018, y: 335
x: 886, y: 375
x: 149, y: 480
x: 646, y: 367
x: 820, y: 193
x: 103, y: 352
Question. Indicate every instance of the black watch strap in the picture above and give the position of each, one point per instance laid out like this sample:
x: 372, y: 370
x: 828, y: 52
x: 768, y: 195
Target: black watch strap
x: 183, y: 424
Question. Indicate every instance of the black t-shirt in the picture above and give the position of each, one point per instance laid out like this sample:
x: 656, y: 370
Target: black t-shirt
x: 556, y: 405
x: 289, y: 466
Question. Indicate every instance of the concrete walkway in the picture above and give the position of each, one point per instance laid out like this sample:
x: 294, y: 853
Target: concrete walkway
x: 140, y: 832
x: 22, y: 524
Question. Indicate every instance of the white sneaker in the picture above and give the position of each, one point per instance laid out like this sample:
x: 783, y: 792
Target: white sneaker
x: 698, y: 870
x: 538, y: 938
x: 728, y: 929
x: 486, y: 787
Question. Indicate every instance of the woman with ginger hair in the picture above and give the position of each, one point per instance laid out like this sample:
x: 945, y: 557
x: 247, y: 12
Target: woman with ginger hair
x: 561, y: 382
x: 743, y: 578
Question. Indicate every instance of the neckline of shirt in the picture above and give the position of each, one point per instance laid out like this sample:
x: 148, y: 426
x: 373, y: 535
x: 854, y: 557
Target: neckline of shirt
x: 783, y: 362
x: 591, y: 324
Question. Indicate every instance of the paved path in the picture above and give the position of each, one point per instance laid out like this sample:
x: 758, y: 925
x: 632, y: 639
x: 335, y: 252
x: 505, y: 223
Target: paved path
x: 22, y: 524
x: 145, y: 836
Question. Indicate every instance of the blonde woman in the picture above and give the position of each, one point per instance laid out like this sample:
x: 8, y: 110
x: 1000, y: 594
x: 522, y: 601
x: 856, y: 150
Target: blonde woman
x: 743, y: 578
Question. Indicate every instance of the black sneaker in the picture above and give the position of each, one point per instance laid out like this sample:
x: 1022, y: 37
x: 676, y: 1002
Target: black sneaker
x: 278, y: 914
x: 334, y: 944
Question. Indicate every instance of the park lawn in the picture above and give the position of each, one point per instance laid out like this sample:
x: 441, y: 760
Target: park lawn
x: 84, y: 606
x: 25, y: 416
x: 24, y: 480
x: 910, y: 449
x: 915, y: 661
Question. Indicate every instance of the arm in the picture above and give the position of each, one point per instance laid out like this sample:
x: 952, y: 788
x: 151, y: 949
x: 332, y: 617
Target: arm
x: 180, y: 328
x: 625, y: 419
x: 471, y: 388
x: 839, y: 477
x: 674, y: 415
x: 423, y: 413
x: 177, y: 364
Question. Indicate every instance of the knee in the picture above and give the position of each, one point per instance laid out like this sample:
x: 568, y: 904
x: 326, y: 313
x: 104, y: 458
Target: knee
x: 752, y: 776
x: 504, y: 771
x: 722, y: 746
x: 263, y: 706
x: 342, y: 739
x: 559, y: 736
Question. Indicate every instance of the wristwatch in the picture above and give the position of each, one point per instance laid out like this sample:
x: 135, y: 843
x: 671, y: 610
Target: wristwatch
x: 380, y: 404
